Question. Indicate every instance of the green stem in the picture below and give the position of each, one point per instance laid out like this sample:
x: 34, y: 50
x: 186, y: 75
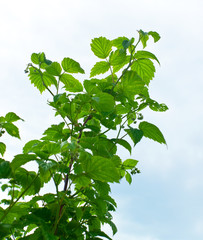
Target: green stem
x: 124, y: 136
x: 57, y: 89
x: 110, y: 70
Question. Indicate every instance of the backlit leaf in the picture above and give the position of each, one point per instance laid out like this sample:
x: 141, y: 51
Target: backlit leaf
x: 116, y: 68
x: 144, y: 68
x: 104, y: 147
x: 145, y: 54
x: 102, y: 169
x: 51, y: 148
x: 35, y: 58
x: 151, y: 131
x: 130, y: 163
x: 117, y: 58
x: 144, y: 36
x: 22, y: 159
x: 71, y: 66
x: 12, y: 117
x: 29, y: 145
x: 118, y: 42
x: 11, y: 129
x: 101, y: 47
x: 155, y: 35
x: 132, y: 84
x: 128, y: 177
x: 99, y: 67
x: 91, y: 87
x: 54, y: 69
x: 41, y: 79
x: 71, y: 84
x: 104, y: 102
x: 155, y: 106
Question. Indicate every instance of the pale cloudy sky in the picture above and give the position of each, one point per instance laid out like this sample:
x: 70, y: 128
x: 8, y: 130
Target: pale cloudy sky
x: 165, y: 200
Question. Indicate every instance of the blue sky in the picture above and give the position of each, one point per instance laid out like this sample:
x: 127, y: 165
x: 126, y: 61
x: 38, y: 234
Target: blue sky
x: 165, y: 200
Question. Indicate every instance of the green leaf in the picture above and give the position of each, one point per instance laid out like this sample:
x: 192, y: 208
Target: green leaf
x: 51, y: 148
x: 91, y: 87
x: 28, y: 180
x: 128, y: 177
x: 54, y: 69
x: 2, y: 119
x: 130, y: 163
x: 54, y: 133
x: 116, y: 68
x: 11, y: 129
x: 46, y: 168
x: 104, y: 147
x: 102, y: 187
x: 71, y: 84
x: 151, y: 131
x: 123, y: 143
x: 126, y: 43
x: 35, y: 58
x: 71, y: 66
x: 144, y: 37
x: 102, y: 169
x: 12, y: 117
x: 40, y: 59
x: 101, y: 47
x: 5, y: 168
x: 132, y: 84
x: 117, y: 57
x: 120, y: 109
x: 145, y: 54
x: 155, y: 106
x: 144, y: 68
x: 135, y: 134
x: 113, y: 226
x: 22, y: 159
x: 155, y: 35
x: 82, y: 181
x: 2, y: 148
x: 104, y: 102
x: 118, y: 42
x: 39, y: 79
x: 99, y: 67
x: 29, y: 145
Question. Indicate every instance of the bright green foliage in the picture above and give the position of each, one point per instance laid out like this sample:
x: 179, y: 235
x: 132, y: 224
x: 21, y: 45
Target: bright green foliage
x: 79, y: 154
x: 71, y: 66
x: 151, y: 131
x: 101, y: 47
x: 99, y: 67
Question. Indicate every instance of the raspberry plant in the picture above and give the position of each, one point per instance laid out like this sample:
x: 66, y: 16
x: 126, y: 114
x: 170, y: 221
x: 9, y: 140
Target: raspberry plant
x: 79, y: 154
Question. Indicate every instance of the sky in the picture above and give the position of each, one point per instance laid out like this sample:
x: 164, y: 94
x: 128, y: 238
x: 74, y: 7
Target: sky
x: 164, y: 202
